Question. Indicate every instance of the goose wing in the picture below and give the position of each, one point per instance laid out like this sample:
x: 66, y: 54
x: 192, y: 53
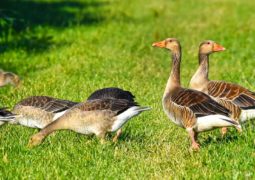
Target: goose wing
x: 235, y: 93
x: 46, y: 103
x: 199, y: 103
x: 116, y: 105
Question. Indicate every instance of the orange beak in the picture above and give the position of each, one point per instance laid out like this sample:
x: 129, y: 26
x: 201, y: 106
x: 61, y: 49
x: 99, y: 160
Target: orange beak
x: 161, y: 44
x: 217, y: 48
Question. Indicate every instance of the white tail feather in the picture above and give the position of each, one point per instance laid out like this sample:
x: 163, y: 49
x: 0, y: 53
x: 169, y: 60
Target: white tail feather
x: 126, y: 115
x: 58, y: 115
x: 207, y: 123
x: 7, y: 118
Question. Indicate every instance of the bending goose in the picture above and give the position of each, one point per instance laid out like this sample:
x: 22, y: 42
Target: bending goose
x: 39, y: 111
x: 36, y: 111
x: 239, y: 100
x: 8, y: 78
x: 97, y: 117
x: 116, y: 93
x: 190, y: 109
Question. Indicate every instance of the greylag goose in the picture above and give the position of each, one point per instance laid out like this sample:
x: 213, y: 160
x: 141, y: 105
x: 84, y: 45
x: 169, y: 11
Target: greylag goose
x: 190, y: 109
x: 98, y: 117
x: 39, y: 111
x: 116, y: 93
x: 239, y: 100
x: 36, y: 111
x: 9, y: 78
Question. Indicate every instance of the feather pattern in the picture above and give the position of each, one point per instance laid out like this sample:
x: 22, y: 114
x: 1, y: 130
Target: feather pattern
x: 199, y: 103
x: 187, y: 104
x: 116, y: 105
x: 46, y: 103
x: 237, y: 94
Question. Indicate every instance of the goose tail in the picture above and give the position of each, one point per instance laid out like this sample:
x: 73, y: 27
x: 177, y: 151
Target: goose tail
x: 216, y: 121
x: 235, y: 123
x: 143, y: 108
x: 6, y: 115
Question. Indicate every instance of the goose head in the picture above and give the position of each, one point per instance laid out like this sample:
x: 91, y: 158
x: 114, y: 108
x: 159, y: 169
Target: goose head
x: 12, y: 78
x: 209, y: 47
x: 171, y: 44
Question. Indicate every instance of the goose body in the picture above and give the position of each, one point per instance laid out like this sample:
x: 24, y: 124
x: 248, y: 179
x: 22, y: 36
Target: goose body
x: 193, y: 110
x: 8, y: 78
x: 196, y: 110
x: 39, y: 111
x: 97, y: 117
x: 239, y: 100
x: 115, y: 93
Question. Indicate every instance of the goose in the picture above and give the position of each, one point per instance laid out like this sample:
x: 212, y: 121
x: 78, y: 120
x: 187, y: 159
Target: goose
x: 39, y: 111
x: 190, y: 109
x: 239, y: 100
x: 8, y: 78
x: 36, y: 111
x: 112, y: 92
x: 98, y: 116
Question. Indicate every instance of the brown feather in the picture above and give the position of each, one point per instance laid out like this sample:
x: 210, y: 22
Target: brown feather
x: 237, y: 94
x: 46, y: 103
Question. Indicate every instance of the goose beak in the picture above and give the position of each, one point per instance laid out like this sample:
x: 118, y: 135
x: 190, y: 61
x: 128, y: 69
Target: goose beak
x: 218, y: 47
x: 161, y: 44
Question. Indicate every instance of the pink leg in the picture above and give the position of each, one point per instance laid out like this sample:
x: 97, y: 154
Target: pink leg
x: 116, y: 137
x: 193, y: 136
x: 224, y: 130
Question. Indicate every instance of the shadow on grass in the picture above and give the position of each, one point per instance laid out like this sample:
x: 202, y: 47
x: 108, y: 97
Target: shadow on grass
x: 220, y: 140
x: 232, y: 135
x: 20, y: 21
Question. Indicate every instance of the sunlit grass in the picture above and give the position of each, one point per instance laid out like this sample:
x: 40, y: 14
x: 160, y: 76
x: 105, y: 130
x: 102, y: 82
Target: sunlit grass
x: 96, y: 44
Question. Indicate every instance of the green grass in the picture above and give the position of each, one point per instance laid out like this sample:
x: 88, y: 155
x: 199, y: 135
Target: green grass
x: 68, y: 49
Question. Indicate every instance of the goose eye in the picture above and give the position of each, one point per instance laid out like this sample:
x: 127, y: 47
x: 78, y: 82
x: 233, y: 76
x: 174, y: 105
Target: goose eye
x: 208, y: 43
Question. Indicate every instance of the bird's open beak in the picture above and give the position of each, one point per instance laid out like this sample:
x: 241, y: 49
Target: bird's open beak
x: 161, y: 44
x: 217, y: 47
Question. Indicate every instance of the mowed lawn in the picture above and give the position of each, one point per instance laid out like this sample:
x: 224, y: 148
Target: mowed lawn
x: 68, y: 49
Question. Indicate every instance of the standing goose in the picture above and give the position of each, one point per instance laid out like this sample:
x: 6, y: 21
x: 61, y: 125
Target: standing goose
x: 9, y: 78
x: 39, y: 111
x: 190, y: 109
x: 239, y: 100
x: 97, y: 117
